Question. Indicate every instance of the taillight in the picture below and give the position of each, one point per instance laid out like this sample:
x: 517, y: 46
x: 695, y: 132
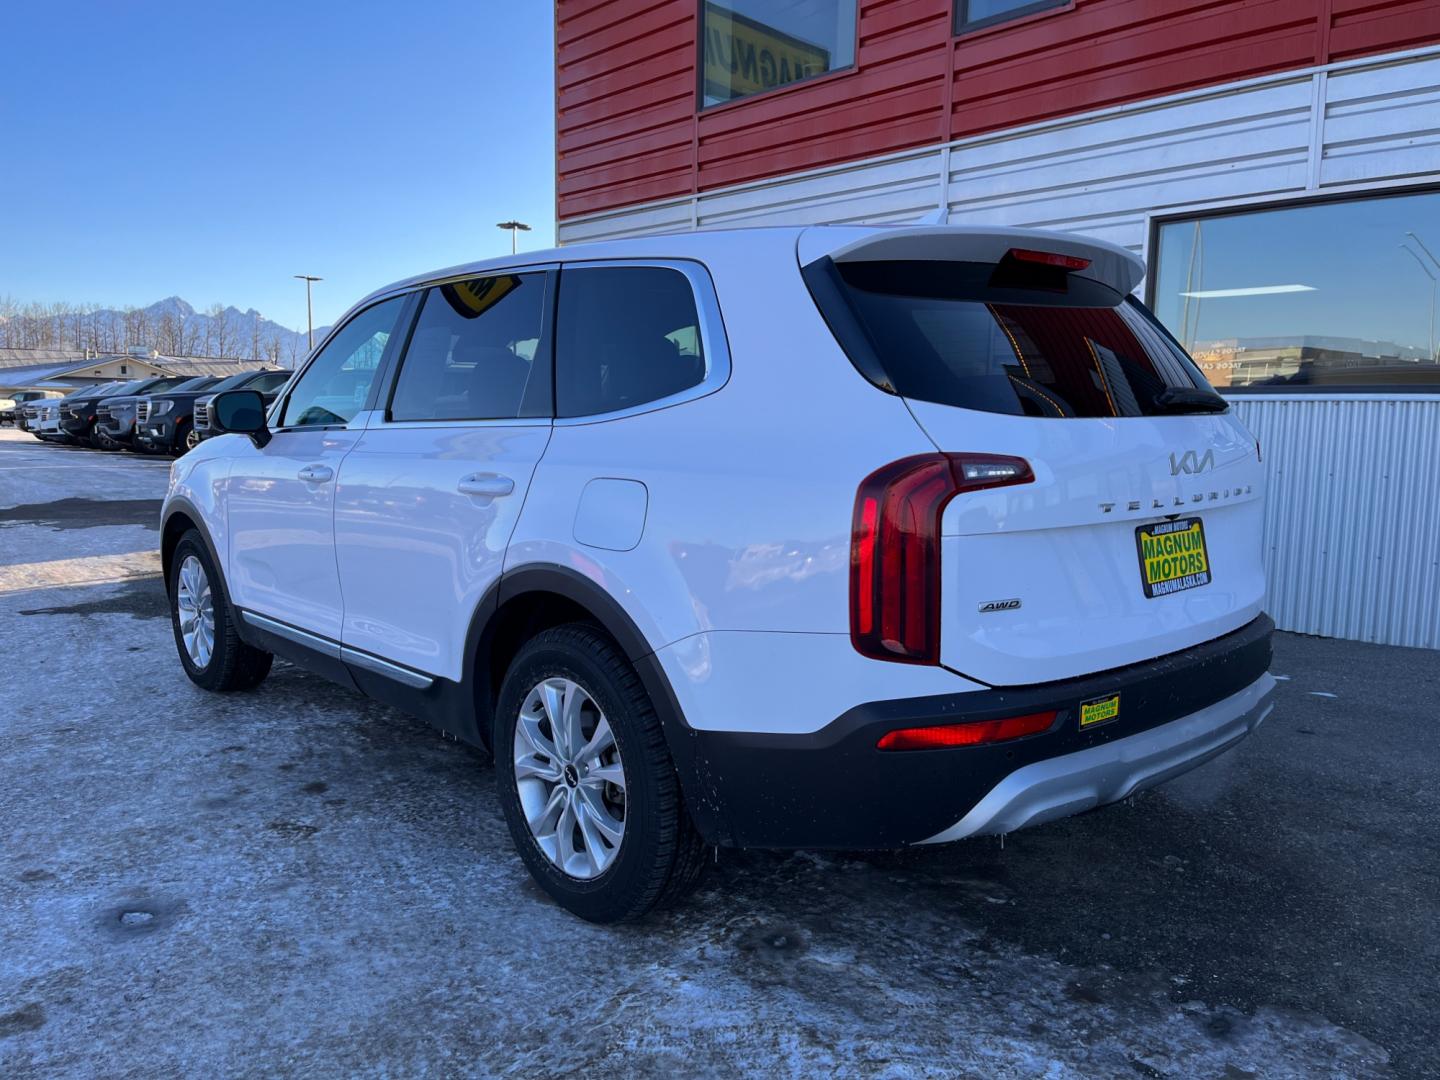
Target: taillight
x: 974, y: 733
x: 895, y: 548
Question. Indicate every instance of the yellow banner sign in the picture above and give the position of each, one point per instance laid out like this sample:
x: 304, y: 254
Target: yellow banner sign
x: 743, y: 56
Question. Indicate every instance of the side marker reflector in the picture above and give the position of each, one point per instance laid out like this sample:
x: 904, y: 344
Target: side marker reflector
x: 975, y: 733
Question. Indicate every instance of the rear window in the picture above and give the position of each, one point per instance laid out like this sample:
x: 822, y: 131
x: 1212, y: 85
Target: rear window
x: 974, y: 336
x: 628, y: 335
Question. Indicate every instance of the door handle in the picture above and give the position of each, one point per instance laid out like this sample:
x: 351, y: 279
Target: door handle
x: 316, y: 474
x: 486, y: 485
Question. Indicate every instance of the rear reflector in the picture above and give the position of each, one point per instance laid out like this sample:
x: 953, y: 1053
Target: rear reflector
x: 1049, y: 258
x: 971, y: 734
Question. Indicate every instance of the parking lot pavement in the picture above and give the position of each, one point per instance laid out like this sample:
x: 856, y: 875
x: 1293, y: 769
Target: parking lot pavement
x: 299, y: 881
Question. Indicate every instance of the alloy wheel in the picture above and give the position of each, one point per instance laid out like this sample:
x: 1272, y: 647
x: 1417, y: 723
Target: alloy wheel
x: 570, y: 778
x: 195, y: 604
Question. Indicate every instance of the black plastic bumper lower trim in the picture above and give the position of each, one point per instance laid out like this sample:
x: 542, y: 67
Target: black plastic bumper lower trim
x: 833, y: 789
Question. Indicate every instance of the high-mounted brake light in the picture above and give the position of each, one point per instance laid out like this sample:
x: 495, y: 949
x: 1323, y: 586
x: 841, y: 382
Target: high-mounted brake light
x: 1049, y: 258
x: 895, y: 548
x: 975, y: 733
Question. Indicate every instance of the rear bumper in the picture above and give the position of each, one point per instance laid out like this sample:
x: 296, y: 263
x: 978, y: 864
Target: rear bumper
x: 833, y: 789
x: 1073, y: 783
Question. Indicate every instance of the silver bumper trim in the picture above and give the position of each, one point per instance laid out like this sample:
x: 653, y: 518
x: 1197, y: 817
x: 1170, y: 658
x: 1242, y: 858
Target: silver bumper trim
x: 1076, y: 782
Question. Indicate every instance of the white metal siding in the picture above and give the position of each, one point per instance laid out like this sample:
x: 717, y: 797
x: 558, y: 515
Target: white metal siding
x: 1352, y: 529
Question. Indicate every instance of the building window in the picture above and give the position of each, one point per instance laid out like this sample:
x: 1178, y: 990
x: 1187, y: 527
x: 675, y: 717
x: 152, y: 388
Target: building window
x: 973, y: 14
x: 1325, y: 295
x: 751, y: 46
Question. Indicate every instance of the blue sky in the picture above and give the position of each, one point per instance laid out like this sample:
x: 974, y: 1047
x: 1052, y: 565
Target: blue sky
x: 212, y: 150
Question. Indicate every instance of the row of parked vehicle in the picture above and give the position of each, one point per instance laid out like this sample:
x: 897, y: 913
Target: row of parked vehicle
x: 169, y: 414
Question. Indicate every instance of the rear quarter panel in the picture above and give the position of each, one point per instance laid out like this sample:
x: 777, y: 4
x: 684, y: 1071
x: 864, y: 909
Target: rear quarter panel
x: 751, y: 488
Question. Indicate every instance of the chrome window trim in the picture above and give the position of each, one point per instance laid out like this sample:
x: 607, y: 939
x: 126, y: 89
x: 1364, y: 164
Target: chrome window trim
x: 508, y: 422
x: 712, y: 337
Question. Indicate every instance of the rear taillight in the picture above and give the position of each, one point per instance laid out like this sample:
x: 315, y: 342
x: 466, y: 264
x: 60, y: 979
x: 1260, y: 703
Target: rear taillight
x: 974, y: 733
x: 895, y: 548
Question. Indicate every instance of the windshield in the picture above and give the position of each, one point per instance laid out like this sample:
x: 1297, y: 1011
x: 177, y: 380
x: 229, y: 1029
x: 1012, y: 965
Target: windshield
x: 271, y: 380
x: 124, y: 388
x: 977, y: 336
x: 230, y: 382
x: 201, y: 382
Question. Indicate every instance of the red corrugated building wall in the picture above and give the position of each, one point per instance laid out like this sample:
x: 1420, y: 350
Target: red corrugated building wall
x: 628, y: 129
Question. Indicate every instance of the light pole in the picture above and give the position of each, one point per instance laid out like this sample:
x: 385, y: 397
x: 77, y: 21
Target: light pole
x: 309, y: 280
x: 515, y: 227
x: 1433, y: 282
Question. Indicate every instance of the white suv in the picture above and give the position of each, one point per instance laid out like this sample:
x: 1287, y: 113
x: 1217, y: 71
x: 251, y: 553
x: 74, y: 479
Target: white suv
x: 803, y: 537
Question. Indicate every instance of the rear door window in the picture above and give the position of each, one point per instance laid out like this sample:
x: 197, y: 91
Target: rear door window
x: 974, y: 336
x: 475, y: 352
x: 627, y: 336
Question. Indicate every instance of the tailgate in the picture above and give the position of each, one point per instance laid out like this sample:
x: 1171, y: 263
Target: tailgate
x: 1066, y: 546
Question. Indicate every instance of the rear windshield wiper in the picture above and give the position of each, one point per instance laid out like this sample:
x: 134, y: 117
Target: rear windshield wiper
x: 1178, y: 399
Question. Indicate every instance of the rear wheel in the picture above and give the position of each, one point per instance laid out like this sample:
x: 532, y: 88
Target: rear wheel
x: 586, y: 781
x: 210, y: 650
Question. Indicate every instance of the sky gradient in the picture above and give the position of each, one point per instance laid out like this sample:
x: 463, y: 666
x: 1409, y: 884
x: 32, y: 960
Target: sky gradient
x: 210, y: 151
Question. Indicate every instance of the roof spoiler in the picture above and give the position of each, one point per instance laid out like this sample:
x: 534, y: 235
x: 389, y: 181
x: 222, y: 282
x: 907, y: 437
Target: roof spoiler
x: 1110, y: 264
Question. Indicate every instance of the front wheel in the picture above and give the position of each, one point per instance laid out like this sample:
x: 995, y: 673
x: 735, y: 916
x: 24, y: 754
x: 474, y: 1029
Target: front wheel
x: 187, y: 438
x: 586, y: 781
x: 210, y: 650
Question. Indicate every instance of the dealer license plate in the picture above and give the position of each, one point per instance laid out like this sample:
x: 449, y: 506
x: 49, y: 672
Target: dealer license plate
x: 1172, y: 556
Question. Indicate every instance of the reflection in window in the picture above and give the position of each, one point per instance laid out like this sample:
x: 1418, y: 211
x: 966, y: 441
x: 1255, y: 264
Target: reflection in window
x: 335, y: 384
x: 750, y: 46
x: 973, y: 14
x: 1329, y: 294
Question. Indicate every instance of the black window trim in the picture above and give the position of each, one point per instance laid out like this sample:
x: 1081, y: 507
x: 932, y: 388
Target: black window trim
x: 389, y: 378
x: 1284, y: 202
x: 713, y: 341
x: 961, y: 25
x: 700, y: 106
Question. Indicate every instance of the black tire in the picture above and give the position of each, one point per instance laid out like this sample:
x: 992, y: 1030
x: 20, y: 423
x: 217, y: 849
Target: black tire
x: 232, y: 665
x: 661, y: 857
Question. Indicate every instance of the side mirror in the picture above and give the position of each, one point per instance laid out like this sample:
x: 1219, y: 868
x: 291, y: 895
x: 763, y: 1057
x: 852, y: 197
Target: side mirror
x: 240, y: 411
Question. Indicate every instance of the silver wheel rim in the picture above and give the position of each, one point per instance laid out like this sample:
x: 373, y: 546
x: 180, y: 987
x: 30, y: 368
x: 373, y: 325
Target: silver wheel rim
x: 570, y: 778
x: 192, y: 439
x: 197, y: 611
